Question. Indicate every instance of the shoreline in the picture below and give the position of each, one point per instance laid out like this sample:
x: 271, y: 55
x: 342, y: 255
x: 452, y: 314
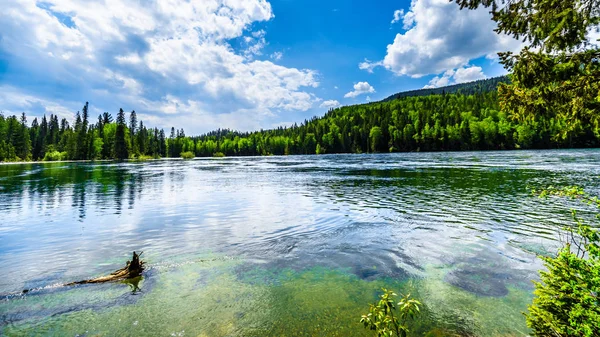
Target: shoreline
x: 288, y: 155
x: 50, y: 162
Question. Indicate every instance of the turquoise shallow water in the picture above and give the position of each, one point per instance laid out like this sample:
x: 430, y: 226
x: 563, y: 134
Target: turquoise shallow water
x: 293, y: 245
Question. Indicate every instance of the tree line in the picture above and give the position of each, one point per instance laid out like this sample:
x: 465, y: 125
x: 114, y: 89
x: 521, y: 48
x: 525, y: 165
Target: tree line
x: 444, y: 122
x: 48, y: 139
x: 468, y: 88
x: 447, y: 122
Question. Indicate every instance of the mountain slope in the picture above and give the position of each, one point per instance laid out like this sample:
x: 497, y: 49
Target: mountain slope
x: 414, y: 121
x: 469, y: 88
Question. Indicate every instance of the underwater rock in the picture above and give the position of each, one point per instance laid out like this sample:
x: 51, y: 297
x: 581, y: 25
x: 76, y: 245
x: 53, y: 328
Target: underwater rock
x: 482, y: 282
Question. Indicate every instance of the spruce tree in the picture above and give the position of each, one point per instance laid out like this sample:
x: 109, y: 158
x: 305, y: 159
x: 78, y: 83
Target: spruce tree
x: 132, y: 133
x: 557, y: 75
x: 121, y: 151
x: 43, y: 137
x: 162, y: 144
x: 82, y: 135
x: 107, y: 118
x: 22, y: 140
x: 34, y: 136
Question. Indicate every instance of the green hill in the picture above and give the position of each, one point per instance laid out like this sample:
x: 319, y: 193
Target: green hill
x: 469, y: 88
x: 459, y: 117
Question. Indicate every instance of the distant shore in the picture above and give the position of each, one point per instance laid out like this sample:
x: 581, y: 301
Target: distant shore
x: 289, y: 155
x: 56, y: 161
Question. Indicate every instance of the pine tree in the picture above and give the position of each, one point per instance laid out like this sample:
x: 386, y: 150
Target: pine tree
x: 171, y: 143
x: 43, y: 137
x: 53, y: 132
x: 133, y: 123
x: 82, y: 135
x: 132, y: 132
x: 22, y: 140
x: 107, y: 118
x: 162, y: 143
x: 557, y: 75
x: 121, y: 151
x: 142, y: 139
x: 36, y: 142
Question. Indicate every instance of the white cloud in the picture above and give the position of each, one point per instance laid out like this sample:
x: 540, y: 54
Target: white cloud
x: 439, y: 37
x: 332, y: 103
x: 437, y: 82
x: 398, y: 14
x: 368, y: 65
x: 470, y: 74
x: 359, y: 89
x: 132, y: 58
x: 132, y: 54
x: 368, y: 99
x: 409, y: 20
x: 259, y: 33
x: 255, y: 44
x: 460, y: 75
x: 14, y: 102
x: 276, y: 55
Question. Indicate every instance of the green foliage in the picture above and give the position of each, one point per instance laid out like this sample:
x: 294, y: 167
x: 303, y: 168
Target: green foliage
x: 556, y: 85
x: 187, y: 155
x: 446, y: 122
x: 561, y: 88
x: 566, y: 300
x: 387, y: 318
x: 548, y: 24
x: 376, y: 137
x: 7, y: 151
x: 556, y: 78
x: 121, y: 148
x: 143, y: 157
x: 55, y: 156
x: 450, y: 122
x: 218, y: 155
x: 57, y: 140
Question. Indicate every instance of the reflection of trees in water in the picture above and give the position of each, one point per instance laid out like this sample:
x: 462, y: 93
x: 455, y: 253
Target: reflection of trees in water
x: 49, y: 187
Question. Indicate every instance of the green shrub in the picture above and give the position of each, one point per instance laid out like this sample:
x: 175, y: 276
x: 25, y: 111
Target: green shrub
x: 381, y: 317
x: 218, y: 155
x: 55, y: 156
x: 143, y: 157
x: 566, y: 300
x: 188, y: 155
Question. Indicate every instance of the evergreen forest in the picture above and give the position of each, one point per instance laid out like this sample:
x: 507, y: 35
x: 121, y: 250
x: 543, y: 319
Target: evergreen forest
x: 457, y: 118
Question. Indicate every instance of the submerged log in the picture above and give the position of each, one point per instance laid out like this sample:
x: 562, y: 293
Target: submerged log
x: 132, y: 269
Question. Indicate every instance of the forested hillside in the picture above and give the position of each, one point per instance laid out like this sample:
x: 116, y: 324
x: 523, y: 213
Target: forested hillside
x: 469, y: 88
x: 469, y: 119
x: 445, y: 122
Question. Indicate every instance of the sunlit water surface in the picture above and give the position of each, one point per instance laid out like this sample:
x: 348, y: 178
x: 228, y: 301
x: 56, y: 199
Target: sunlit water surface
x: 281, y: 246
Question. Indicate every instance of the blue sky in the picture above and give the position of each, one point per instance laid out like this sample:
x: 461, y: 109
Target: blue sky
x: 241, y: 64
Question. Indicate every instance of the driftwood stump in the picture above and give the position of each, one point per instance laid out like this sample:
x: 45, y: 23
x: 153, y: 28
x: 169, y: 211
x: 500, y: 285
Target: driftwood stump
x: 132, y: 269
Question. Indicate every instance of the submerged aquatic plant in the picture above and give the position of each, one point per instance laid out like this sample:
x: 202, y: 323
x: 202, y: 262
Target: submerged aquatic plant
x: 381, y: 316
x: 566, y: 300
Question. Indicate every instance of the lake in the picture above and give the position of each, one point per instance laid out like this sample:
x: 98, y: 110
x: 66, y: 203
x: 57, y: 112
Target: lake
x: 296, y: 245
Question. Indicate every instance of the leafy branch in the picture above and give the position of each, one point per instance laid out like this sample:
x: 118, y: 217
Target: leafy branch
x: 381, y: 316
